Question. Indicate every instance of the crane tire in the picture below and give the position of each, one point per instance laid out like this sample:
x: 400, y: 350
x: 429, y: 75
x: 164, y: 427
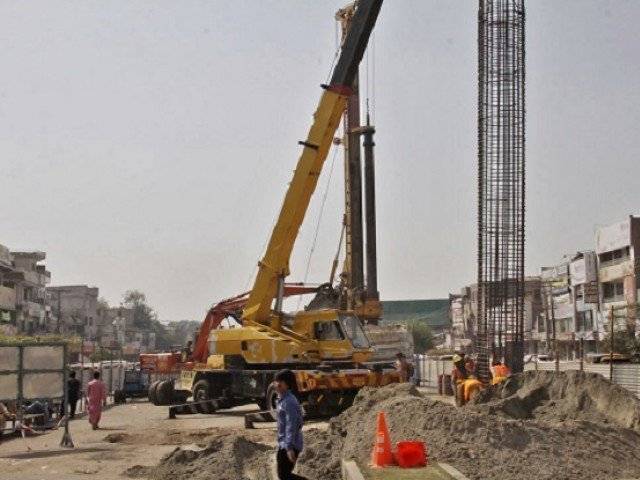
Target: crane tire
x: 164, y: 392
x: 151, y: 392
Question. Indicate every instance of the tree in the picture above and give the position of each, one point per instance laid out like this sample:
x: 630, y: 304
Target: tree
x: 182, y: 331
x: 422, y: 336
x: 143, y: 314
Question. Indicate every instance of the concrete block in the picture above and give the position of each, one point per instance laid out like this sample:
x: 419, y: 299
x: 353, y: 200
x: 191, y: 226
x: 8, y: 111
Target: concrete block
x: 351, y: 471
x: 452, y: 471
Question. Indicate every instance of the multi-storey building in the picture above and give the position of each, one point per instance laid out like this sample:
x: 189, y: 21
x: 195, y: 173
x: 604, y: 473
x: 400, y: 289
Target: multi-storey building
x: 30, y: 278
x: 7, y: 293
x: 464, y: 312
x: 583, y: 275
x: 618, y: 250
x: 570, y: 302
x: 75, y: 309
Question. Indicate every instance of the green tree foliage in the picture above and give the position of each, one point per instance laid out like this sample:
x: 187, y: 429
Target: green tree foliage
x: 143, y: 314
x: 422, y: 336
x: 182, y: 331
x: 145, y: 317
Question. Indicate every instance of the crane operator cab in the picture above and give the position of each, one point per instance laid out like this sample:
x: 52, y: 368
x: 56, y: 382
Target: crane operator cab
x: 341, y: 338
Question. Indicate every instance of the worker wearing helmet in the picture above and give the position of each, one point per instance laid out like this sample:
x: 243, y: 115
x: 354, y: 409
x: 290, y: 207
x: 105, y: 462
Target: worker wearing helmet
x: 458, y: 375
x: 500, y: 372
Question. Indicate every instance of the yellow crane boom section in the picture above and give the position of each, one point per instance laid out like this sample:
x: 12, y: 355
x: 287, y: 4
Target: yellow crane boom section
x: 275, y: 263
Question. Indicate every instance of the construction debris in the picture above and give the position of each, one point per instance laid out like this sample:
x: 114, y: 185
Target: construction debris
x: 538, y: 425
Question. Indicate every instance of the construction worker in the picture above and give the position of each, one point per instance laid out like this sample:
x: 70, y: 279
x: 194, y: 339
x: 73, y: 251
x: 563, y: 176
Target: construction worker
x: 470, y: 366
x: 403, y: 367
x: 458, y: 375
x: 187, y: 351
x: 289, y: 419
x: 499, y: 372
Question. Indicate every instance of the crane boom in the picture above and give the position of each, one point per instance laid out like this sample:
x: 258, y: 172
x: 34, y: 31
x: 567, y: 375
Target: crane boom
x: 274, y: 266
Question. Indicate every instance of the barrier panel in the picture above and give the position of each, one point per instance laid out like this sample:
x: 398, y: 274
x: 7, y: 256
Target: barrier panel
x: 34, y: 371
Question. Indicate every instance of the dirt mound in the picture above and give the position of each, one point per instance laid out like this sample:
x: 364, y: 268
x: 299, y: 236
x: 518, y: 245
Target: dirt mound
x: 562, y: 396
x: 228, y: 457
x: 482, y: 440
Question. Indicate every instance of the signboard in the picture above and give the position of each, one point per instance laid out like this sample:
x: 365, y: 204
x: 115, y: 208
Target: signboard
x: 613, y: 237
x: 591, y: 292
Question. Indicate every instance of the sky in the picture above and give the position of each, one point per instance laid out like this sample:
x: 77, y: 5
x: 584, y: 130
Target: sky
x: 146, y: 145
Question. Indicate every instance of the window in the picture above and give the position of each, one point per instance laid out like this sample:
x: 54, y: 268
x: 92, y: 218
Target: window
x: 354, y: 331
x: 612, y: 291
x: 584, y: 321
x: 327, y: 331
x: 615, y: 256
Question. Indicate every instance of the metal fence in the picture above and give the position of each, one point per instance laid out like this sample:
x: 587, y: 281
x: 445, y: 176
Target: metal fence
x: 627, y: 375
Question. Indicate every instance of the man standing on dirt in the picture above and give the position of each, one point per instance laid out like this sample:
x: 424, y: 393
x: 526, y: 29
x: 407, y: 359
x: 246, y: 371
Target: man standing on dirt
x: 289, y: 421
x: 73, y: 394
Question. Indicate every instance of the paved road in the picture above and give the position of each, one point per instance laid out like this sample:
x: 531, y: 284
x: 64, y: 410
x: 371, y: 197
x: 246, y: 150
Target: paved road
x: 132, y: 434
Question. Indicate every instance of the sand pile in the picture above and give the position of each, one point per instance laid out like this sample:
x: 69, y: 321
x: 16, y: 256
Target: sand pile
x: 228, y: 457
x: 536, y: 427
x: 564, y: 396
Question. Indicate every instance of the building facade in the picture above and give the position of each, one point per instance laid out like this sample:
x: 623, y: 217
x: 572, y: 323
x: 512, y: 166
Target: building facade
x: 618, y: 251
x: 30, y: 279
x: 75, y: 309
x: 463, y: 311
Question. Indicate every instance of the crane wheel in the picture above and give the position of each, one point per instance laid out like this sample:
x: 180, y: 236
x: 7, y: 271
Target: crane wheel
x: 270, y: 401
x: 119, y: 397
x: 151, y: 393
x: 164, y: 392
x: 201, y: 391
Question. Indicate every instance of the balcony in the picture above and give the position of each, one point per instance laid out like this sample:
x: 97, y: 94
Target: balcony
x: 608, y: 272
x: 7, y: 298
x: 37, y: 278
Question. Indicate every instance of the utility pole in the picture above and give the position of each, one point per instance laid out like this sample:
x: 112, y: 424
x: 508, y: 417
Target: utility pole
x: 611, y: 343
x: 555, y: 338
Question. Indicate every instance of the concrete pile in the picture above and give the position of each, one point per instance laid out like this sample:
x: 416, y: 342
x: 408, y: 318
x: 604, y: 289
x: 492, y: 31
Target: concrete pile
x: 541, y: 425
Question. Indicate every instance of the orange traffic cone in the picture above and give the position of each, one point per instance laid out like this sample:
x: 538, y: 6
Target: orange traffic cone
x: 381, y: 456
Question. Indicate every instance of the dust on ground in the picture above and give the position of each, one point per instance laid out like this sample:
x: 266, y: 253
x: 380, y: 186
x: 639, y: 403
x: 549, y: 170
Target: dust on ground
x: 543, y: 425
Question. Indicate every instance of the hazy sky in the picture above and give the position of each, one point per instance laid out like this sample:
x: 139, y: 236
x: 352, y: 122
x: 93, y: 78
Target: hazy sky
x: 148, y: 144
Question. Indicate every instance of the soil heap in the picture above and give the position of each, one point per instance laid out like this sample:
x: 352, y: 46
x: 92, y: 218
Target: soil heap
x: 542, y: 425
x: 228, y: 457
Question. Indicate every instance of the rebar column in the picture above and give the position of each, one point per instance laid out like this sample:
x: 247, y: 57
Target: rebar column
x: 501, y: 183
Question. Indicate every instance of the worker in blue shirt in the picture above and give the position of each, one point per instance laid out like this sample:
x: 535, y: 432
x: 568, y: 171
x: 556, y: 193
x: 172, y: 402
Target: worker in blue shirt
x: 289, y: 425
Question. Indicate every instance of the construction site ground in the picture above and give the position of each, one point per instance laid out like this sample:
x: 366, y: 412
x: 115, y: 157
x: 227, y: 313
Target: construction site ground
x: 570, y: 425
x: 131, y: 436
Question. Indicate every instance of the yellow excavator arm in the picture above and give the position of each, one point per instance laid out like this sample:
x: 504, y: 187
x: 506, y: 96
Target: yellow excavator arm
x: 274, y: 266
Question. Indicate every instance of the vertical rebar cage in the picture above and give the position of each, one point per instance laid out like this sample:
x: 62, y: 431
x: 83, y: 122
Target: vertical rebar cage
x: 501, y: 183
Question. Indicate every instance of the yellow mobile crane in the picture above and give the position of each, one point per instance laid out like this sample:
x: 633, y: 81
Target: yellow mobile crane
x: 325, y: 348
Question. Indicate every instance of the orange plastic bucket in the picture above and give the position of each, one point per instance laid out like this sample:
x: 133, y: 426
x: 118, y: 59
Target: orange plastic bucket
x: 411, y: 454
